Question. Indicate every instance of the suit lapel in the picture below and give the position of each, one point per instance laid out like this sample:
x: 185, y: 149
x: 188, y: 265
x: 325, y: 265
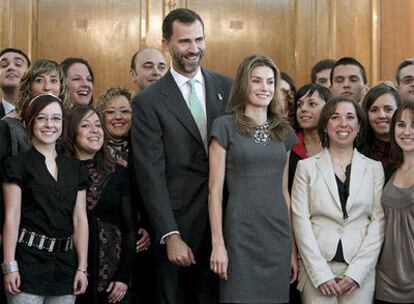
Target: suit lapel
x: 324, y: 164
x: 2, y: 112
x: 175, y: 102
x: 357, y: 172
x: 214, y: 99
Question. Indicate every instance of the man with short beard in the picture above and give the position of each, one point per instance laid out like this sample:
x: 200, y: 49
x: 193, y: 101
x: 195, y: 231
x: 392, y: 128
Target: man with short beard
x: 13, y: 64
x: 171, y: 122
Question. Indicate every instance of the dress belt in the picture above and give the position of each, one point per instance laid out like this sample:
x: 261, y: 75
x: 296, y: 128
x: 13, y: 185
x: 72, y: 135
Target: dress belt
x: 43, y: 242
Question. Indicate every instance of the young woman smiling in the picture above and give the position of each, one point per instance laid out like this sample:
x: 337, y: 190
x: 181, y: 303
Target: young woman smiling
x: 46, y: 228
x: 379, y: 105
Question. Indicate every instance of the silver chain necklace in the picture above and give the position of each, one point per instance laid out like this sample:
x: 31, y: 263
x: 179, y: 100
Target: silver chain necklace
x: 261, y: 134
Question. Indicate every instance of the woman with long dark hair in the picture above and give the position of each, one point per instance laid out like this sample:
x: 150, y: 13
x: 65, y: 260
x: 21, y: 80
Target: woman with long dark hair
x: 379, y: 105
x: 110, y: 216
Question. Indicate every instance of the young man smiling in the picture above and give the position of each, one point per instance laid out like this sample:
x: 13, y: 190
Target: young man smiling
x: 13, y: 64
x: 348, y: 78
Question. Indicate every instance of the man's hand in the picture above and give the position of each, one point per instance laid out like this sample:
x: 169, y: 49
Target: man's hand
x: 178, y: 252
x: 144, y: 242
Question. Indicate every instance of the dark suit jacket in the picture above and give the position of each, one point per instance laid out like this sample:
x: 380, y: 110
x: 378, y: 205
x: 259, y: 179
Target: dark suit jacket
x: 169, y: 158
x: 2, y: 112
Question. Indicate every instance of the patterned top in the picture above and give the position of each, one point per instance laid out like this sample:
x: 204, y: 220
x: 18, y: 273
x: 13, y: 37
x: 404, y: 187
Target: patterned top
x: 111, y: 229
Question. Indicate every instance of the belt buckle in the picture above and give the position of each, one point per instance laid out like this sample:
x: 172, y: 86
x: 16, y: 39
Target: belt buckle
x: 52, y: 244
x: 68, y: 244
x: 32, y: 236
x: 42, y: 241
x: 22, y: 234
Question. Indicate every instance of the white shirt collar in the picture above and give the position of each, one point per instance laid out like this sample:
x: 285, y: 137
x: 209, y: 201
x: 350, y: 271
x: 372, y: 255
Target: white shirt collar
x: 8, y: 107
x: 182, y: 80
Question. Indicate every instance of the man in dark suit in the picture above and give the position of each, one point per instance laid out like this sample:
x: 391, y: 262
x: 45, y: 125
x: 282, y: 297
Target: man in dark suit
x: 13, y: 64
x: 171, y: 121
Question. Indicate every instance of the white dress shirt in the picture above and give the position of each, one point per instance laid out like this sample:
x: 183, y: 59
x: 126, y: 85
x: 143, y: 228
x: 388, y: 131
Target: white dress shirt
x: 182, y: 83
x: 8, y: 107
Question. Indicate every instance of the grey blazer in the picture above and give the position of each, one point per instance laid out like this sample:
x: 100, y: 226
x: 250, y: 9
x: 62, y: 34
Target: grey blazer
x: 170, y: 161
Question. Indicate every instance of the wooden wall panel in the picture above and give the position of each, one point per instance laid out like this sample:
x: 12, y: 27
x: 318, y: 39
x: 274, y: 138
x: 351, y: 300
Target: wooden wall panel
x: 106, y: 33
x: 243, y: 27
x: 152, y: 13
x: 305, y: 35
x: 397, y: 32
x: 322, y: 30
x: 4, y: 24
x: 15, y: 24
x: 352, y: 31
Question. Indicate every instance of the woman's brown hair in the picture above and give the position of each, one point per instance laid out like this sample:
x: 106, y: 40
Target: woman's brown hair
x: 239, y: 97
x: 398, y: 153
x: 75, y: 117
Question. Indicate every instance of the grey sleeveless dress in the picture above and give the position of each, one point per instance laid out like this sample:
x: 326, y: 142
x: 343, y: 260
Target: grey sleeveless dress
x: 395, y: 271
x: 256, y: 224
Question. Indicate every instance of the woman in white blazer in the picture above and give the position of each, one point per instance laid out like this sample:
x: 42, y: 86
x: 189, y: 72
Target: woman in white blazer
x: 337, y: 217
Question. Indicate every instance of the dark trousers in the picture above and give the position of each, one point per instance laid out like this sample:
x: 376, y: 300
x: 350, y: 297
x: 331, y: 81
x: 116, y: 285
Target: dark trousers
x: 195, y: 284
x: 143, y: 290
x: 294, y: 294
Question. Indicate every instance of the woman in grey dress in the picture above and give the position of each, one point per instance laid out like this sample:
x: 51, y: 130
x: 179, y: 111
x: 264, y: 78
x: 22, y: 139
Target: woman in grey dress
x: 252, y: 248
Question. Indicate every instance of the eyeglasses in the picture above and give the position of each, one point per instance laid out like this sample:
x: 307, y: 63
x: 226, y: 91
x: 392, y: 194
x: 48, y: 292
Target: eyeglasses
x: 112, y: 112
x: 43, y: 119
x: 407, y: 80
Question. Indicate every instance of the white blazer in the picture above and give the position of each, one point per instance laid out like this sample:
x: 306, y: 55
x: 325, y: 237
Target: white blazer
x: 318, y: 221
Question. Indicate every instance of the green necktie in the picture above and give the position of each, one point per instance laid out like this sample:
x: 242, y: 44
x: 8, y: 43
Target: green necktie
x: 197, y: 111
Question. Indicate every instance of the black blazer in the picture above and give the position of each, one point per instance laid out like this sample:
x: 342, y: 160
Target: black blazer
x: 169, y: 157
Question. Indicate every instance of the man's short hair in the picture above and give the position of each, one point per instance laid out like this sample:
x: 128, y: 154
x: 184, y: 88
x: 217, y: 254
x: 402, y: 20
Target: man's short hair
x: 183, y: 15
x: 320, y: 66
x: 403, y: 64
x: 350, y: 61
x: 133, y: 64
x: 18, y: 51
